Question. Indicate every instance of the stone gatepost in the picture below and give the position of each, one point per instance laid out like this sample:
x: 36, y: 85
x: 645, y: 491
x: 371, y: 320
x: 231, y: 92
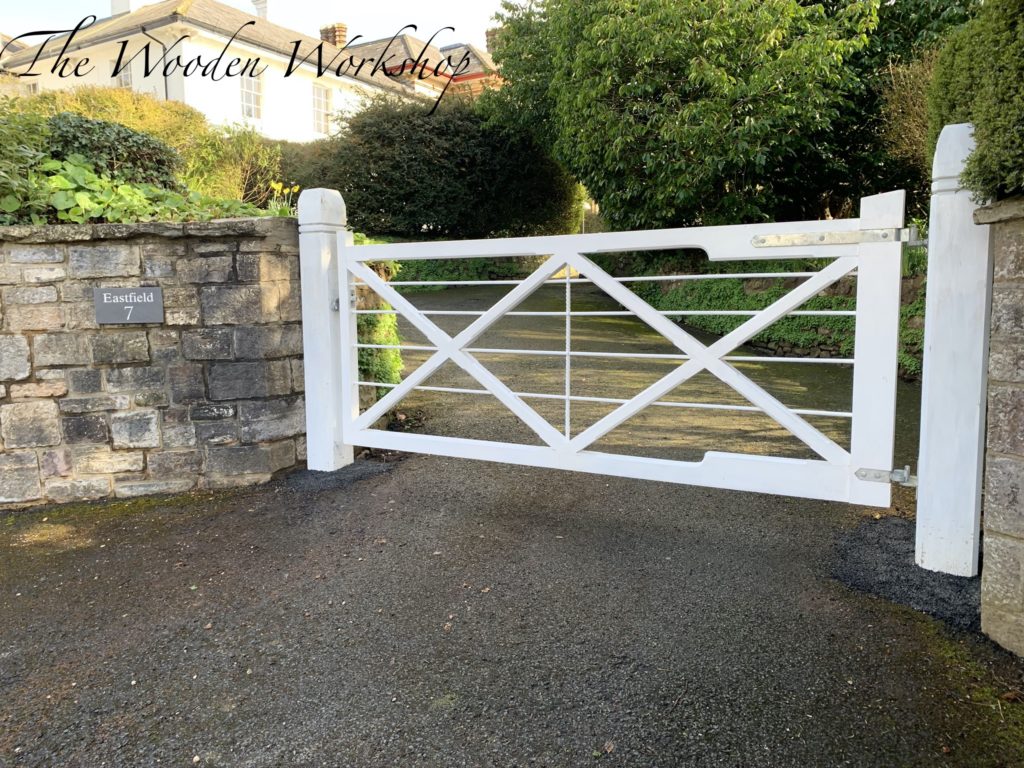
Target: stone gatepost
x: 1002, y: 583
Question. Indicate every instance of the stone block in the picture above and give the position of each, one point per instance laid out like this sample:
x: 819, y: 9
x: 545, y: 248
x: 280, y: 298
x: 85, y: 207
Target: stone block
x: 19, y: 477
x: 120, y: 347
x: 300, y: 448
x: 114, y: 260
x: 30, y: 294
x: 37, y: 275
x: 225, y: 482
x: 14, y: 357
x: 186, y: 383
x: 180, y: 464
x: 85, y: 381
x: 55, y: 463
x: 212, y: 412
x: 216, y: 432
x: 135, y: 429
x: 1008, y: 249
x: 131, y: 489
x: 282, y: 302
x: 163, y: 249
x: 298, y: 375
x: 182, y: 317
x: 262, y: 421
x: 63, y: 491
x: 35, y: 317
x: 103, y: 461
x: 232, y: 305
x: 244, y: 381
x: 30, y: 425
x: 207, y: 344
x: 267, y: 267
x: 1002, y: 578
x: 152, y: 399
x: 10, y: 275
x: 157, y: 266
x: 250, y: 459
x: 1006, y: 419
x: 1008, y: 309
x: 134, y: 378
x: 34, y: 254
x: 1004, y: 498
x: 59, y: 349
x: 53, y: 388
x: 76, y: 405
x: 80, y: 317
x: 206, y: 269
x: 164, y: 337
x: 214, y: 247
x: 267, y: 342
x: 1006, y: 359
x: 179, y: 436
x: 89, y: 428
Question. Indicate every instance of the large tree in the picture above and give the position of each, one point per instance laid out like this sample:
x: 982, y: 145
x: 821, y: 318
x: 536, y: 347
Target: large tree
x: 676, y: 112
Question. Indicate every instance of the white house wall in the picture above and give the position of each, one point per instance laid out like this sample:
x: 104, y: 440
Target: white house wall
x: 287, y: 102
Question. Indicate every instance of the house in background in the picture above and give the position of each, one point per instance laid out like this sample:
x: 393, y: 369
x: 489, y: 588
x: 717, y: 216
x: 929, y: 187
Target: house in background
x: 300, y: 107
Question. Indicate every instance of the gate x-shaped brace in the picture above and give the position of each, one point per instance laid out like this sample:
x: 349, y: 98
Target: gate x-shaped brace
x: 702, y: 357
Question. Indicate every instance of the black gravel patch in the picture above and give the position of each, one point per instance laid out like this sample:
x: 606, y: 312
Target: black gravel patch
x: 316, y: 482
x: 877, y: 557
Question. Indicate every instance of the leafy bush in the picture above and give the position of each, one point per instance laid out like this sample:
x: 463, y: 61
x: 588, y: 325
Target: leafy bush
x: 113, y: 149
x: 405, y: 172
x: 77, y: 194
x: 905, y: 112
x: 979, y: 78
x: 306, y: 164
x: 22, y: 153
x: 380, y: 365
x: 231, y: 163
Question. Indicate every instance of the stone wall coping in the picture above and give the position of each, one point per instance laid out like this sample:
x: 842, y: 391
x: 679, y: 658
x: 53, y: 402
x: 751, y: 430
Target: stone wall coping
x: 71, y: 233
x: 1005, y: 210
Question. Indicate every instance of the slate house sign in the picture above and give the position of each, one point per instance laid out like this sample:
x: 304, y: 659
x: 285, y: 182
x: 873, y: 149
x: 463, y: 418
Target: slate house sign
x: 123, y: 306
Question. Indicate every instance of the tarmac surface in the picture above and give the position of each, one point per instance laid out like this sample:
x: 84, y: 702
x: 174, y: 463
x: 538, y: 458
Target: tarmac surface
x: 435, y: 612
x: 425, y: 611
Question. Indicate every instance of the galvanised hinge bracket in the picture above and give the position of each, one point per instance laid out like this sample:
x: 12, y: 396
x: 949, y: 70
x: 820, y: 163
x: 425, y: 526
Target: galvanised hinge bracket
x: 898, y: 476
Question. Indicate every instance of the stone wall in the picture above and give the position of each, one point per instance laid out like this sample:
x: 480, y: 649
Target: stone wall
x: 1002, y: 578
x: 210, y: 398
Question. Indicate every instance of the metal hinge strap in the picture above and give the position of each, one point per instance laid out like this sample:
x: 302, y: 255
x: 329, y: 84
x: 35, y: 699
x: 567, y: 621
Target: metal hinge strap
x: 901, y: 235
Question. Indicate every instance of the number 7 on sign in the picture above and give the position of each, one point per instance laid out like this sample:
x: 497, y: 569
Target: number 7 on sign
x: 129, y: 309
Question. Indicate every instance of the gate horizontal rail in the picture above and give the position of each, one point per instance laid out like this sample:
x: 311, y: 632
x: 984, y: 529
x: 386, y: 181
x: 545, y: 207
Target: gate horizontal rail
x: 868, y: 248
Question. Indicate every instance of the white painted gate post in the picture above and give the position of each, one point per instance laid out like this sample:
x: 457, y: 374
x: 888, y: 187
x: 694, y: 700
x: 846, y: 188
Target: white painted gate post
x: 955, y: 374
x: 321, y: 218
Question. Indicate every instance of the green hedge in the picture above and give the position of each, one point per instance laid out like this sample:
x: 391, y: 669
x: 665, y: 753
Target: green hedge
x: 407, y: 173
x: 979, y: 78
x: 113, y: 149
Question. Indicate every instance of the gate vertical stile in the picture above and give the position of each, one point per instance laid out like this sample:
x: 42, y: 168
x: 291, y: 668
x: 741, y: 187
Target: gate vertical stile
x: 348, y: 338
x: 876, y: 340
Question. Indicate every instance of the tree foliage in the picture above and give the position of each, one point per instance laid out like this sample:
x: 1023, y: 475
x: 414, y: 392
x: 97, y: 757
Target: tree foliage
x: 679, y: 111
x: 979, y: 78
x: 408, y: 173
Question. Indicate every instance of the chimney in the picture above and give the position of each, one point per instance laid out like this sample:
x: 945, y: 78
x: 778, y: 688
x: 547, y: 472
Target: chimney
x: 117, y: 7
x: 261, y: 8
x: 492, y: 37
x: 335, y: 34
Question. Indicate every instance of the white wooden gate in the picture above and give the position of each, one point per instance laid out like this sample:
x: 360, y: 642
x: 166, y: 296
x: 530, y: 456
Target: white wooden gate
x: 869, y: 247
